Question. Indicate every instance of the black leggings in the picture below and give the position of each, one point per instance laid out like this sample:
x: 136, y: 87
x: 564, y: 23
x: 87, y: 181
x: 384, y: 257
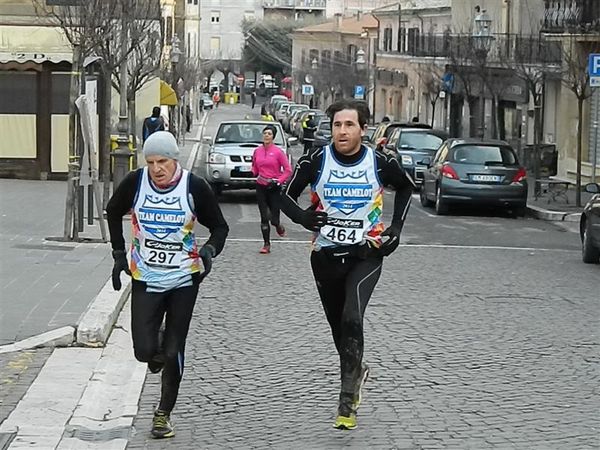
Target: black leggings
x: 345, y: 286
x: 269, y: 201
x: 147, y: 312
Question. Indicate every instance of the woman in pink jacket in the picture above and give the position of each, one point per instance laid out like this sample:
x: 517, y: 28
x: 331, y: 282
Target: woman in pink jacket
x: 271, y: 168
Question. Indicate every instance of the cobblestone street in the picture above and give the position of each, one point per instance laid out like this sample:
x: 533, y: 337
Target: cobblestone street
x: 468, y: 353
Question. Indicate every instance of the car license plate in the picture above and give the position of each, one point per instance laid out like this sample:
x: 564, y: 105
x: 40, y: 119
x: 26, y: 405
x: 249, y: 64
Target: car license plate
x: 244, y: 168
x: 488, y: 178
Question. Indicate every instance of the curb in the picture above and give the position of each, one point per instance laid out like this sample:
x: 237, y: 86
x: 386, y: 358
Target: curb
x: 97, y: 322
x: 61, y: 337
x: 554, y: 216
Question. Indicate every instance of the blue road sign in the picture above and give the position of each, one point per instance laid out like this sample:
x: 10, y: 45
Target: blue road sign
x: 359, y: 91
x: 594, y: 69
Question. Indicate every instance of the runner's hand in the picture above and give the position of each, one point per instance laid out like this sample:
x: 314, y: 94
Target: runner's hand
x: 206, y: 253
x: 121, y: 265
x: 390, y: 244
x: 313, y: 220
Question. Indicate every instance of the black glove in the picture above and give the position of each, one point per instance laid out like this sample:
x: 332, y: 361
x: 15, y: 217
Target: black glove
x: 391, y: 243
x: 121, y: 265
x: 313, y: 220
x: 207, y: 253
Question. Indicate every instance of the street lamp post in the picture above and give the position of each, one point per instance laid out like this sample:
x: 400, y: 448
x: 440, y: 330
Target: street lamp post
x: 482, y: 39
x: 175, y: 54
x: 122, y: 155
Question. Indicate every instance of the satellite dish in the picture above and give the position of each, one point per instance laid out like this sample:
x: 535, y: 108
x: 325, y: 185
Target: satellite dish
x: 308, y: 78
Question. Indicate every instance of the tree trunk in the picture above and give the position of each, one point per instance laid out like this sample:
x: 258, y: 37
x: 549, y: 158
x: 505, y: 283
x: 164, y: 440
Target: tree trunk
x: 106, y: 130
x: 580, y: 100
x: 72, y: 189
x: 133, y: 129
x: 536, y: 142
x: 473, y: 122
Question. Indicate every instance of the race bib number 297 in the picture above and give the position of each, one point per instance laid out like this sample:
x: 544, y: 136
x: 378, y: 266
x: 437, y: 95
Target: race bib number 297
x: 162, y: 254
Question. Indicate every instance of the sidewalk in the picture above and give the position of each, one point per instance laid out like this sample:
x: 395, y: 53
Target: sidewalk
x: 54, y: 293
x: 545, y: 208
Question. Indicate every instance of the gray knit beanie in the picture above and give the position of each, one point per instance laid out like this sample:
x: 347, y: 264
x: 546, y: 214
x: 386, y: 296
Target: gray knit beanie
x: 161, y: 143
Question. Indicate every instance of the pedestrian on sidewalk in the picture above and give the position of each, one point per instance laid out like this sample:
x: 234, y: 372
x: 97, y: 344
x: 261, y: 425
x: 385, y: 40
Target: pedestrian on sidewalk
x: 216, y: 98
x: 166, y: 265
x: 350, y: 239
x: 152, y: 123
x: 188, y: 118
x: 271, y: 167
x: 253, y: 98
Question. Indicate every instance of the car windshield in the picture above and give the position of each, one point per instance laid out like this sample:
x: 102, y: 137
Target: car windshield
x: 420, y: 141
x: 245, y: 133
x: 484, y: 155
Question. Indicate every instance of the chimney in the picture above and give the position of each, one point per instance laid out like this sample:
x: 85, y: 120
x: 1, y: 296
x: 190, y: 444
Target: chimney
x: 338, y: 20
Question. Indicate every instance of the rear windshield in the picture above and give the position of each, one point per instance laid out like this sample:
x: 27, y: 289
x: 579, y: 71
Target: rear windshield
x: 325, y: 125
x: 245, y: 133
x: 484, y: 154
x: 419, y: 141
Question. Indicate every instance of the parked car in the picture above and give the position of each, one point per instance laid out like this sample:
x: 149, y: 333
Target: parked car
x: 589, y: 226
x: 229, y: 158
x: 274, y: 101
x: 368, y: 137
x: 384, y: 131
x: 291, y: 109
x: 207, y: 101
x: 281, y: 110
x: 322, y: 134
x: 475, y: 172
x: 411, y: 145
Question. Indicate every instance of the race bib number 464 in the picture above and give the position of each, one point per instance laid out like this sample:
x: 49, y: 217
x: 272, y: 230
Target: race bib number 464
x: 343, y: 231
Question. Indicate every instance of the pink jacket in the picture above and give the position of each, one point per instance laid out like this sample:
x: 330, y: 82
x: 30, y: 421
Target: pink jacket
x: 270, y: 163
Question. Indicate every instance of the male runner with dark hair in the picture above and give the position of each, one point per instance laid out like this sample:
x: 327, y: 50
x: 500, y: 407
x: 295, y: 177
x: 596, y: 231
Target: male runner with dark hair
x: 350, y: 240
x: 166, y: 265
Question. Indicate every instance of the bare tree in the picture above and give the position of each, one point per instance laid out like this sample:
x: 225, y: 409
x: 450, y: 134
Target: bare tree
x: 576, y: 78
x: 432, y: 80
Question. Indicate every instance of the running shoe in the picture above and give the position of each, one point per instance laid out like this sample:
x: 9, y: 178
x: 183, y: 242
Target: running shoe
x: 158, y: 362
x: 346, y: 415
x: 161, y: 425
x: 360, y: 382
x: 280, y: 230
x: 266, y: 249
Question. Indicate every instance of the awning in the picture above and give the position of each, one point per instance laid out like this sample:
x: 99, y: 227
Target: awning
x: 167, y: 94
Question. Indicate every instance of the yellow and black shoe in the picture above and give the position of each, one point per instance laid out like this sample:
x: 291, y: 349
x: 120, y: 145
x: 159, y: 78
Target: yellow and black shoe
x: 346, y: 415
x: 161, y: 425
x: 364, y: 375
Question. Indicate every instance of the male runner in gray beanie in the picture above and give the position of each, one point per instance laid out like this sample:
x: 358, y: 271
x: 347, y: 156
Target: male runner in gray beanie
x: 166, y: 265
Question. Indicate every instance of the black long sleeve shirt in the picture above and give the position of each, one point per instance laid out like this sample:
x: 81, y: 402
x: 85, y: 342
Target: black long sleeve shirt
x: 308, y: 169
x: 206, y: 208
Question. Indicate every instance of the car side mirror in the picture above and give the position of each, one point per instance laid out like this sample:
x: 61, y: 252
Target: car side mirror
x: 207, y: 139
x: 426, y: 161
x: 292, y: 140
x: 592, y: 188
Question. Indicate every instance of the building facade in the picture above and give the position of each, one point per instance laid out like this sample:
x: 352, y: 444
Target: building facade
x: 294, y: 9
x: 333, y: 58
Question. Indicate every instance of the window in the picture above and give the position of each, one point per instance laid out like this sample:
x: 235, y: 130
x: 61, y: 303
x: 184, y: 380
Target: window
x: 215, y: 16
x: 337, y: 57
x: 313, y: 54
x: 387, y: 39
x: 215, y: 43
x: 484, y: 154
x: 169, y: 34
x: 402, y: 40
x: 326, y: 58
x: 351, y: 54
x: 413, y: 40
x: 303, y: 57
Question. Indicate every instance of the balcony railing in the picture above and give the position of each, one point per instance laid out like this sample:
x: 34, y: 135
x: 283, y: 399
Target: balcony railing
x: 502, y: 48
x: 295, y: 4
x: 576, y: 16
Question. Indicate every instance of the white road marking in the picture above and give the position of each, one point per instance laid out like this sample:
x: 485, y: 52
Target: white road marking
x: 446, y: 246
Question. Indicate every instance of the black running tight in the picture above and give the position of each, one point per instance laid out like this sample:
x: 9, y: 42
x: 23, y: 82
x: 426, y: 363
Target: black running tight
x: 268, y: 200
x: 345, y: 286
x: 147, y: 312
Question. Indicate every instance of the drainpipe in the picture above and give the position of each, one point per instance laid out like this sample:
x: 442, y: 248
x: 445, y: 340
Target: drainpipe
x: 375, y: 49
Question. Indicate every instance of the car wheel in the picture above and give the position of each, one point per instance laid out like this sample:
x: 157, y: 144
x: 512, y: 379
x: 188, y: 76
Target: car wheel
x: 589, y: 253
x: 423, y: 197
x: 441, y: 206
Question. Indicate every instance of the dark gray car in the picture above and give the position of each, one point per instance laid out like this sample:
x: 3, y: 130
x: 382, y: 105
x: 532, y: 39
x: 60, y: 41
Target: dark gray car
x: 470, y: 171
x: 412, y: 145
